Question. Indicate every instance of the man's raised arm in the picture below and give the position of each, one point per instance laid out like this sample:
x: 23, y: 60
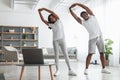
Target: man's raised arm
x: 74, y: 15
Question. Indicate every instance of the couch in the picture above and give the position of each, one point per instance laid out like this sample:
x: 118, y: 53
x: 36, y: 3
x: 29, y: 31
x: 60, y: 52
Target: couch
x: 49, y: 54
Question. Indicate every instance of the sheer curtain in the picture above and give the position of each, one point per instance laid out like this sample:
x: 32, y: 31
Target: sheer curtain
x: 107, y: 13
x: 112, y: 28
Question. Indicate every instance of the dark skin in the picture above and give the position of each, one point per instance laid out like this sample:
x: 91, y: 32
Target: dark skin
x: 86, y: 17
x: 53, y: 17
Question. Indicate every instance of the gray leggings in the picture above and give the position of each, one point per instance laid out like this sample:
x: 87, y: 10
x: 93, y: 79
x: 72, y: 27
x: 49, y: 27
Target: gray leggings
x: 60, y: 43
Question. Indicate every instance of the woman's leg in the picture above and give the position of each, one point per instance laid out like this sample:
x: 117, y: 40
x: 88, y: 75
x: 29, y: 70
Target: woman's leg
x: 65, y: 53
x: 56, y: 51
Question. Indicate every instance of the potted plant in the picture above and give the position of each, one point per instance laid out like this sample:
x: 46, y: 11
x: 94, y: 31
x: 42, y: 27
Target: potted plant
x: 108, y: 50
x: 25, y: 36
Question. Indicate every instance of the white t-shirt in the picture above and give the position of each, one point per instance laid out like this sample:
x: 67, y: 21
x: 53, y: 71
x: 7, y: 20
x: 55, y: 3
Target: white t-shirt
x: 92, y: 27
x: 58, y: 30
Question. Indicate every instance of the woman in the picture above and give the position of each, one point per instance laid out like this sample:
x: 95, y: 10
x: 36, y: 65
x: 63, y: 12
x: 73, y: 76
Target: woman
x: 55, y: 24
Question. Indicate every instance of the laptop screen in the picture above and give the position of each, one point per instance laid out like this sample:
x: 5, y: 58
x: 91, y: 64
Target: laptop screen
x: 32, y: 56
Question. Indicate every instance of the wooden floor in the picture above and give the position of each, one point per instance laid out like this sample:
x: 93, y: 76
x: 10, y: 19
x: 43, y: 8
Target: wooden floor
x: 12, y: 72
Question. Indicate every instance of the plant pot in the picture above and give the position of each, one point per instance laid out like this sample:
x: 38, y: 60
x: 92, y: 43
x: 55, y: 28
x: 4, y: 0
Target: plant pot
x: 107, y: 62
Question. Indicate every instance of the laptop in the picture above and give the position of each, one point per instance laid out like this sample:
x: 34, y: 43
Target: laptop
x: 32, y: 56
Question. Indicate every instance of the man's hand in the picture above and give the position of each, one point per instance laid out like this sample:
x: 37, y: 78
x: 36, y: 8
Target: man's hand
x: 73, y: 14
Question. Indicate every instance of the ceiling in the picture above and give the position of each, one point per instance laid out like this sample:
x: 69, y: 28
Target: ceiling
x: 21, y: 5
x: 30, y: 5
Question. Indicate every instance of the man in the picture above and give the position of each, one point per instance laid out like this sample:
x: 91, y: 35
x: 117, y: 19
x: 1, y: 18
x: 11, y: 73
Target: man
x: 95, y: 35
x: 55, y: 24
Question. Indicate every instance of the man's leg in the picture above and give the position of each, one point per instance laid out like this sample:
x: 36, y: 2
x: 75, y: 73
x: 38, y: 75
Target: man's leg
x: 103, y: 62
x: 88, y: 59
x: 100, y: 45
x: 91, y: 51
x: 56, y: 51
x: 102, y: 58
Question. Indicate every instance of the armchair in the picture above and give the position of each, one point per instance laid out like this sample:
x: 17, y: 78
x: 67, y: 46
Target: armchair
x: 11, y: 54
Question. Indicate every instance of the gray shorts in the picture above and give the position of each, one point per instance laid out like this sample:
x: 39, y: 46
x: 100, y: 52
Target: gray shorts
x: 98, y: 41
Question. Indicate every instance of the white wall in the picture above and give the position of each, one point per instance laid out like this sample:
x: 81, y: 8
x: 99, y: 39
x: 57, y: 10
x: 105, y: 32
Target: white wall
x: 16, y: 18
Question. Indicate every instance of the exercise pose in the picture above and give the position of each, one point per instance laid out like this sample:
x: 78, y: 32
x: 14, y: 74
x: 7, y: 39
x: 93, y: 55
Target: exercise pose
x: 55, y: 24
x: 95, y: 35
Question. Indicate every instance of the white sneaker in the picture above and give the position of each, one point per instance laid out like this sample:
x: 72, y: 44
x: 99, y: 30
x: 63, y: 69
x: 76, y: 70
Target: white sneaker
x: 105, y: 71
x: 56, y: 73
x: 71, y: 73
x: 86, y: 72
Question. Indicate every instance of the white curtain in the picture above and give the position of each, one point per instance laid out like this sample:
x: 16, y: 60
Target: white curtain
x: 112, y: 16
x: 108, y: 14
